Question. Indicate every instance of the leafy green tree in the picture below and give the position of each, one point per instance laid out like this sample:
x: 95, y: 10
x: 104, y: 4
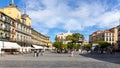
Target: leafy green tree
x: 103, y: 44
x: 69, y: 38
x: 65, y: 46
x: 70, y: 45
x: 75, y: 38
x: 77, y: 46
x: 57, y: 45
x: 87, y: 46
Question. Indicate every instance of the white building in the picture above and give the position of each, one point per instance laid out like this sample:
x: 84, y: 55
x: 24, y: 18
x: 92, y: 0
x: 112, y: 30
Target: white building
x: 63, y: 36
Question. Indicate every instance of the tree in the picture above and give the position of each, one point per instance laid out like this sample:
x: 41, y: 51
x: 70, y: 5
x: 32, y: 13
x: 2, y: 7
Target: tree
x: 103, y: 44
x: 70, y: 45
x: 57, y: 45
x: 77, y: 46
x: 87, y: 47
x: 69, y: 38
x: 74, y: 38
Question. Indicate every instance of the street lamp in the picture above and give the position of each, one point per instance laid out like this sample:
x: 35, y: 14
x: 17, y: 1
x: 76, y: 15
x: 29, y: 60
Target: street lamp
x: 2, y: 35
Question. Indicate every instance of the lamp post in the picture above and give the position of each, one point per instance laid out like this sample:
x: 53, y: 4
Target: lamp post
x: 3, y: 36
x: 3, y: 44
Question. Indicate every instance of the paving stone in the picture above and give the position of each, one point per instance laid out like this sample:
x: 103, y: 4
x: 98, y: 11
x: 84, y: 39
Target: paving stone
x: 53, y: 60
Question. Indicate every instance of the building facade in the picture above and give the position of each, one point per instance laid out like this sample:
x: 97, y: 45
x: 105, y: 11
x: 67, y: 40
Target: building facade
x: 16, y: 27
x: 110, y: 36
x: 39, y: 39
x: 95, y: 36
x: 62, y: 37
x: 118, y: 37
x: 4, y: 27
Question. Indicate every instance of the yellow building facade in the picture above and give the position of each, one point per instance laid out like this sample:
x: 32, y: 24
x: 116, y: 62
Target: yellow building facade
x: 109, y: 35
x: 39, y: 39
x: 19, y: 29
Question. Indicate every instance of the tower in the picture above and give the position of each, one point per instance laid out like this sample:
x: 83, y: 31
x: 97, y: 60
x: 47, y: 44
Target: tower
x: 25, y: 9
x: 12, y: 3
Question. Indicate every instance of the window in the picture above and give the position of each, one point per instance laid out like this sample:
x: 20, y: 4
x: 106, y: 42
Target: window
x: 12, y: 36
x: 5, y: 35
x: 24, y: 21
x: 11, y: 22
x: 1, y: 25
x: 1, y: 34
x: 110, y: 39
x: 17, y: 36
x: 3, y: 18
x: 106, y: 39
x: 0, y: 16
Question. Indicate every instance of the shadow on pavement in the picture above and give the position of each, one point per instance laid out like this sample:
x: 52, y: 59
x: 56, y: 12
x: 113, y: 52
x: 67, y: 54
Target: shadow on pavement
x: 112, y: 58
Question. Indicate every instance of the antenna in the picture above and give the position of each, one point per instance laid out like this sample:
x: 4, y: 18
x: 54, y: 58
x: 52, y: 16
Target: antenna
x: 12, y: 2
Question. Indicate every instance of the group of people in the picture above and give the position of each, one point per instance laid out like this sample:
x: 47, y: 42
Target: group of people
x: 37, y: 52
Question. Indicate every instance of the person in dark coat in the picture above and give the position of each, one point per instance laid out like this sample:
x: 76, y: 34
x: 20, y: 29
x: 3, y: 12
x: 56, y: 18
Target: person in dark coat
x: 37, y: 54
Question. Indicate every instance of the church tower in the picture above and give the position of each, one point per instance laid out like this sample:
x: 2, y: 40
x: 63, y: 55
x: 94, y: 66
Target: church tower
x: 25, y: 18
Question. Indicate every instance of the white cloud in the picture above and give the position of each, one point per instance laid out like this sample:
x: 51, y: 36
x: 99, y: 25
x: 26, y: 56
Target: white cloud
x: 109, y: 19
x: 72, y: 24
x: 48, y: 14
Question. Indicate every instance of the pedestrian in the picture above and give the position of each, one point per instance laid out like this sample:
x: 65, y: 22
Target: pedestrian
x: 35, y: 53
x: 72, y: 53
x: 42, y: 52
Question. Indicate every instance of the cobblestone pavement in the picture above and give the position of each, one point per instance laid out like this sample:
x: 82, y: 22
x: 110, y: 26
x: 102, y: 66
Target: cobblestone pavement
x: 52, y: 60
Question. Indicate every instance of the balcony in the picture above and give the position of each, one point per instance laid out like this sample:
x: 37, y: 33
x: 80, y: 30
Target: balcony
x: 13, y: 32
x: 7, y: 29
x: 1, y: 28
x: 7, y: 20
x: 4, y: 37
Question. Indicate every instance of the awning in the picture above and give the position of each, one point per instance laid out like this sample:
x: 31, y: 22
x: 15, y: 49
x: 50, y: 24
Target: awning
x: 45, y: 48
x: 37, y: 47
x: 9, y: 45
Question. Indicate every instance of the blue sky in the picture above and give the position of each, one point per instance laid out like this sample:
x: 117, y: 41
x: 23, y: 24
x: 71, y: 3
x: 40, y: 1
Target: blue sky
x: 51, y: 17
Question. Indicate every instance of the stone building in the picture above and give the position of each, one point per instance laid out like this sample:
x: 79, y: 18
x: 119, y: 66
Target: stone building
x: 16, y: 27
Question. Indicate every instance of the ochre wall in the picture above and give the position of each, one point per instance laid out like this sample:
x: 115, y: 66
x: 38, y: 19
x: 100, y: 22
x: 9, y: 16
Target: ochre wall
x: 12, y: 11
